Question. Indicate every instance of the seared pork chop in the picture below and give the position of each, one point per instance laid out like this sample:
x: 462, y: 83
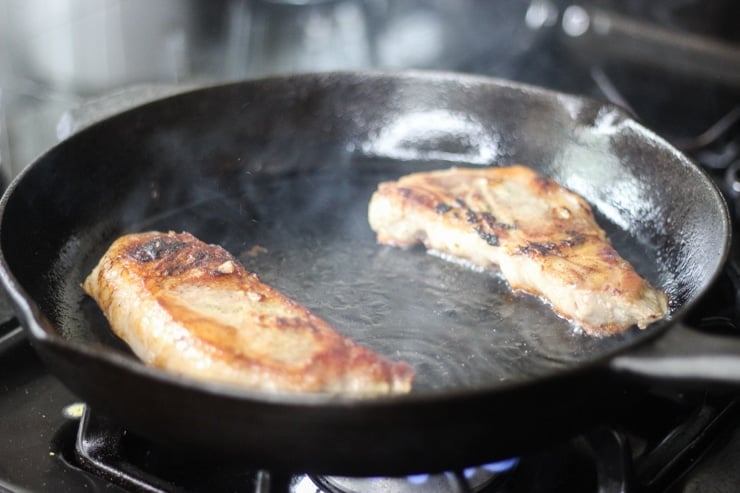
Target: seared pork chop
x: 193, y: 309
x: 543, y: 238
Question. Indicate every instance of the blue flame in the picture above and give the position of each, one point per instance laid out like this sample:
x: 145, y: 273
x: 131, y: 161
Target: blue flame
x: 498, y: 467
x: 502, y: 465
x: 418, y: 478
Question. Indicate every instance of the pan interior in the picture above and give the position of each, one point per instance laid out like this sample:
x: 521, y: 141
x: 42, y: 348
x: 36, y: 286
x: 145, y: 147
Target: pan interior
x: 307, y: 235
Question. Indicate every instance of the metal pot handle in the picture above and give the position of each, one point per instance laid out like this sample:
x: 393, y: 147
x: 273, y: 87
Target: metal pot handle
x: 685, y: 358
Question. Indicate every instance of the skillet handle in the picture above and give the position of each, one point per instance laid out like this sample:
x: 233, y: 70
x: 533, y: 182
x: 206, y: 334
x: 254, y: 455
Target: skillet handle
x: 11, y: 339
x: 685, y: 358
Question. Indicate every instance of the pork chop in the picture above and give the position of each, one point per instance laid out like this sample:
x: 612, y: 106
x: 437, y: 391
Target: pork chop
x: 191, y: 308
x: 544, y: 239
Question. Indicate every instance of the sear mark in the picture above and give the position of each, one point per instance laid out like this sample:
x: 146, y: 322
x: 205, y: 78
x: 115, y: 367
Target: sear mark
x: 538, y: 248
x: 488, y: 218
x: 490, y: 238
x: 545, y: 184
x: 551, y: 248
x: 609, y: 255
x: 575, y: 238
x: 405, y: 192
x: 155, y: 249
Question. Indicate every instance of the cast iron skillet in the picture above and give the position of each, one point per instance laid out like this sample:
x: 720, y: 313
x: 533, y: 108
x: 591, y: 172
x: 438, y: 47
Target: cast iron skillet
x: 288, y: 164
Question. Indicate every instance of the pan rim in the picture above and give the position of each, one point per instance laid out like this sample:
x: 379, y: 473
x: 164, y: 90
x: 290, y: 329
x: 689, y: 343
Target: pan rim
x: 40, y: 328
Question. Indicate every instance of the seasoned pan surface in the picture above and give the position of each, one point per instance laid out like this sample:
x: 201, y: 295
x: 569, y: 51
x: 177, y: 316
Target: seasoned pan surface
x: 280, y: 172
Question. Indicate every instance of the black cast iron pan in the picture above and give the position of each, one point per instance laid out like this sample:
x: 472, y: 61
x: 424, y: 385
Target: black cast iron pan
x: 288, y: 164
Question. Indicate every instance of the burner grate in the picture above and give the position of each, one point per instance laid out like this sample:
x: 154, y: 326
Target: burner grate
x: 108, y: 451
x: 475, y: 479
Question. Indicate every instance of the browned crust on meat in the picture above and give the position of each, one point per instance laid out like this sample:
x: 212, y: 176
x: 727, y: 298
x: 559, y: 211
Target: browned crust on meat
x: 270, y: 341
x: 543, y: 237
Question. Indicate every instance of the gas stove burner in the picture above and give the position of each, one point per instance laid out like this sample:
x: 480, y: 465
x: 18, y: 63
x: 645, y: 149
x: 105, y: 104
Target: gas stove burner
x: 469, y: 480
x: 106, y: 450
